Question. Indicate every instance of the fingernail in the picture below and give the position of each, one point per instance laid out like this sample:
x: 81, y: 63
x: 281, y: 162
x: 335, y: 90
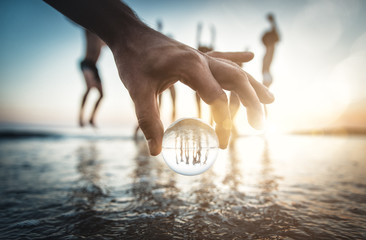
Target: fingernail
x: 223, y: 135
x: 223, y: 145
x: 257, y: 120
x: 153, y: 147
x: 271, y: 96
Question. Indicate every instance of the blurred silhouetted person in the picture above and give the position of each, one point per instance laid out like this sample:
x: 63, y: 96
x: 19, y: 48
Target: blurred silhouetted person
x: 204, y: 49
x: 92, y: 79
x: 234, y: 104
x: 269, y: 39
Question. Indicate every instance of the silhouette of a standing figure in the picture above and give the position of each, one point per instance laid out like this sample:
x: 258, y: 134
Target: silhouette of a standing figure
x: 269, y: 39
x: 204, y: 49
x: 91, y: 75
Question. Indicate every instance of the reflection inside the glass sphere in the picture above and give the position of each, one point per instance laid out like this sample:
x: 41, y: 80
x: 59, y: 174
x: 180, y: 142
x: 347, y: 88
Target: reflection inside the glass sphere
x: 190, y: 149
x: 190, y: 146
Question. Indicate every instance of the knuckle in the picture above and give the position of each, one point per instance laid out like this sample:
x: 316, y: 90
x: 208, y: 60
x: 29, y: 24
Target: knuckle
x: 213, y: 54
x: 151, y: 126
x: 192, y: 57
x: 144, y: 121
x: 241, y: 75
x: 221, y: 102
x: 241, y: 78
x: 223, y: 98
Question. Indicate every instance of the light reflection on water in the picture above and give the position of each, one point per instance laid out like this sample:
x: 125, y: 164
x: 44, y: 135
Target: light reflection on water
x: 297, y: 187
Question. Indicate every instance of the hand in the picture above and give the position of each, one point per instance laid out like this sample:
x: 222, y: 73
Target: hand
x: 149, y: 62
x: 148, y: 69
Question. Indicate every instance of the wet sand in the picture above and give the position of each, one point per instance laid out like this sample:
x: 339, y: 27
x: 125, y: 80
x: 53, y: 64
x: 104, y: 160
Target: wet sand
x: 93, y: 186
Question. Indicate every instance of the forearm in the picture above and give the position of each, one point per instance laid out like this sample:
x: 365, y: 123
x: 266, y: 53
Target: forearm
x: 111, y: 20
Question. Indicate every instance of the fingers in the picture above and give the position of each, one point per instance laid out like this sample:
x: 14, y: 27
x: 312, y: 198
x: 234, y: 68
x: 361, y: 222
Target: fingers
x: 147, y: 112
x: 263, y: 93
x: 249, y: 99
x: 202, y: 80
x: 234, y: 104
x: 233, y: 78
x: 221, y: 115
x: 237, y: 57
x: 265, y: 96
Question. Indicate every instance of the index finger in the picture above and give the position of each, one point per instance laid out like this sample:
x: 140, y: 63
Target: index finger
x: 264, y: 95
x: 200, y: 78
x: 233, y: 78
x: 237, y: 57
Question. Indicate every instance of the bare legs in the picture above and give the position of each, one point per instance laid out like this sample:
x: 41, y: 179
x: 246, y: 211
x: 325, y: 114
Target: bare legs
x: 234, y: 107
x: 267, y: 59
x: 199, y: 109
x: 198, y: 102
x: 91, y: 121
x: 81, y: 123
x: 172, y: 94
x: 90, y: 82
x: 267, y: 77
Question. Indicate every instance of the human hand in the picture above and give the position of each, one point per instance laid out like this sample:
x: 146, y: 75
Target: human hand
x: 149, y: 62
x: 148, y: 69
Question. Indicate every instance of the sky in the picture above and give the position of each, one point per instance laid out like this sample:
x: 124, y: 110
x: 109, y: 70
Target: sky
x: 318, y: 68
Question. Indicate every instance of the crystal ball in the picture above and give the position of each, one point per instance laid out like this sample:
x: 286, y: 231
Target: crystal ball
x: 190, y: 146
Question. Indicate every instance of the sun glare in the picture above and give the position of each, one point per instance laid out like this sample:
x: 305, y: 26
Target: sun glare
x: 271, y: 129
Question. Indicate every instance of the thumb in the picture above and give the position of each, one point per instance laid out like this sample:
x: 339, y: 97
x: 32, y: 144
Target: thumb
x: 147, y: 112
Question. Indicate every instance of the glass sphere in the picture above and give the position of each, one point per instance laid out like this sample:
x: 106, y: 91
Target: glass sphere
x: 190, y: 146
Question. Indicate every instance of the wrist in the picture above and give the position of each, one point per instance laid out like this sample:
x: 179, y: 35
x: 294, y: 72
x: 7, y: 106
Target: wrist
x: 118, y: 25
x: 125, y: 36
